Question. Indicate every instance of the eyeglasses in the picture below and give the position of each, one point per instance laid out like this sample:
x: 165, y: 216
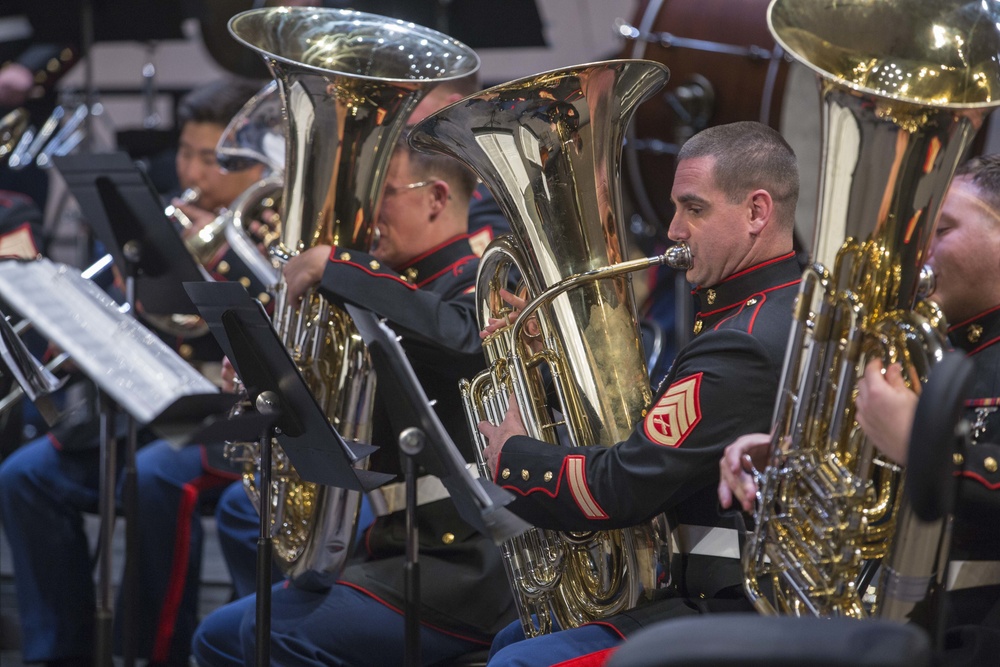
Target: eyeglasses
x: 392, y: 191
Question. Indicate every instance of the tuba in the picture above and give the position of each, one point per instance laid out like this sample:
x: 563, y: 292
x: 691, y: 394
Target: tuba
x: 548, y: 147
x: 348, y: 81
x: 897, y: 122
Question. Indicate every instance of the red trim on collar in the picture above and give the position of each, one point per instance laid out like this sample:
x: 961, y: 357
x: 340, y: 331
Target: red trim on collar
x: 974, y: 318
x: 978, y: 478
x: 750, y: 269
x: 743, y: 302
x: 373, y: 274
x: 433, y: 250
x: 451, y: 268
x: 983, y: 346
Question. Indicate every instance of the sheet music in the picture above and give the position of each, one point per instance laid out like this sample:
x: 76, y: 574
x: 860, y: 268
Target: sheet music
x: 128, y: 362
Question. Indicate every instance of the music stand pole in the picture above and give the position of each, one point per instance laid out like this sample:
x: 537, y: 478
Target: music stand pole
x: 267, y: 404
x: 103, y: 614
x: 411, y: 443
x: 132, y: 251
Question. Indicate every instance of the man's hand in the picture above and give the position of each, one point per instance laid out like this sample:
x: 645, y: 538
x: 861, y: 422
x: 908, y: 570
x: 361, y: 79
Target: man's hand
x: 885, y: 409
x: 497, y: 435
x: 199, y: 217
x: 746, y: 453
x: 304, y: 271
x: 229, y: 379
x: 532, y: 330
x: 16, y: 81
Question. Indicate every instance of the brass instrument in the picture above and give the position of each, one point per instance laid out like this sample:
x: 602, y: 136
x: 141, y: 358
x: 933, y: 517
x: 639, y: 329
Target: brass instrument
x: 12, y: 128
x: 348, y: 82
x: 896, y: 126
x: 548, y: 147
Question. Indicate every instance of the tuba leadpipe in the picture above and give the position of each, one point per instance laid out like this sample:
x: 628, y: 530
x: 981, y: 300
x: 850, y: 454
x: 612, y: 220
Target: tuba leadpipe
x: 895, y: 128
x: 348, y: 82
x: 548, y: 148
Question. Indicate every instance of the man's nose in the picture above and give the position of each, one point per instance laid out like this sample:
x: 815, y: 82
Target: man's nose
x: 677, y: 231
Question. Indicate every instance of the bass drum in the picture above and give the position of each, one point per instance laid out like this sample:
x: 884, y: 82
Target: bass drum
x: 724, y: 67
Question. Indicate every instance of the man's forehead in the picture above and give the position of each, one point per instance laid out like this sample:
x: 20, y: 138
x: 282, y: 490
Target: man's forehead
x: 964, y: 192
x: 694, y: 178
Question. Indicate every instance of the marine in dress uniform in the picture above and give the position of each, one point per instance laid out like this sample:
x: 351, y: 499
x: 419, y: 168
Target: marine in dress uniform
x: 428, y: 300
x: 464, y: 595
x: 974, y: 561
x: 721, y: 385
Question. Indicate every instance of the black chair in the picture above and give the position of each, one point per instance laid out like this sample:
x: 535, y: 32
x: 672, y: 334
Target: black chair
x: 748, y: 640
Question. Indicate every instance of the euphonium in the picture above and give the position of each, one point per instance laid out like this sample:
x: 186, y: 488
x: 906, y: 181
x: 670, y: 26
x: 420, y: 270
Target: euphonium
x: 897, y: 121
x: 348, y: 81
x: 548, y: 148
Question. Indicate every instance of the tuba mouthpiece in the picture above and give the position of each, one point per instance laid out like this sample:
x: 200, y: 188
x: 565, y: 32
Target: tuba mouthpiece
x: 678, y: 257
x: 927, y: 282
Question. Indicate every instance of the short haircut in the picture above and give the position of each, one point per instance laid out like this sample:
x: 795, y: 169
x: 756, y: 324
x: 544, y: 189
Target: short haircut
x: 984, y: 172
x: 216, y: 102
x: 437, y: 165
x: 749, y: 156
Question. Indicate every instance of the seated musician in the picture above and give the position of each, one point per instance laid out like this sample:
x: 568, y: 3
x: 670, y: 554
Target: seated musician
x: 965, y: 256
x: 735, y: 190
x: 237, y: 518
x: 421, y: 277
x: 48, y: 483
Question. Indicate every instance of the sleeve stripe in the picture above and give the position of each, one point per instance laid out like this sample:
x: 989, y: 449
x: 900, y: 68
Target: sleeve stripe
x: 576, y: 476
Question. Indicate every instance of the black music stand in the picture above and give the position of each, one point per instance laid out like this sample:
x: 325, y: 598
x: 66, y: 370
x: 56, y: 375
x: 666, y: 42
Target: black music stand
x: 276, y: 388
x: 35, y: 380
x: 422, y: 437
x: 135, y: 373
x: 120, y: 203
x: 124, y: 209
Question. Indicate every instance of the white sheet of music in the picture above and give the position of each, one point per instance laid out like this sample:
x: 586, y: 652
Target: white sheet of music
x: 141, y: 373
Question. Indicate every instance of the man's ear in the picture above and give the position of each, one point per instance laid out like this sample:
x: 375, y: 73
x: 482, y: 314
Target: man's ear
x: 440, y: 193
x: 761, y: 210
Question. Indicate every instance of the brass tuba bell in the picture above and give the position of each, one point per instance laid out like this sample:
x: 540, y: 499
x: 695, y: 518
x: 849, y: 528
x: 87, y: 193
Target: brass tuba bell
x: 904, y: 87
x: 548, y: 147
x: 348, y: 82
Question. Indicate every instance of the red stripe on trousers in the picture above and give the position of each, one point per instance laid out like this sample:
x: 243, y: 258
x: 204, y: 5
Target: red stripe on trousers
x: 178, y: 575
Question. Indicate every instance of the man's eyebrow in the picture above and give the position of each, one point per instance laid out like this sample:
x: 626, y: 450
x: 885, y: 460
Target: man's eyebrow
x: 691, y: 199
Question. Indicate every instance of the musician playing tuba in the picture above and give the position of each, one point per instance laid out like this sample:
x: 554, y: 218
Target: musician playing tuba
x: 735, y: 190
x: 965, y: 257
x: 420, y: 275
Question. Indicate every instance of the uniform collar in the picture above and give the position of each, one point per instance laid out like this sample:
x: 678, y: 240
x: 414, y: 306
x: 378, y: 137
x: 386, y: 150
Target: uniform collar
x: 716, y: 300
x: 977, y: 331
x: 436, y: 260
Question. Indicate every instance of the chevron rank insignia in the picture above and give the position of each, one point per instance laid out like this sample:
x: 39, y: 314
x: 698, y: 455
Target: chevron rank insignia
x: 676, y: 413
